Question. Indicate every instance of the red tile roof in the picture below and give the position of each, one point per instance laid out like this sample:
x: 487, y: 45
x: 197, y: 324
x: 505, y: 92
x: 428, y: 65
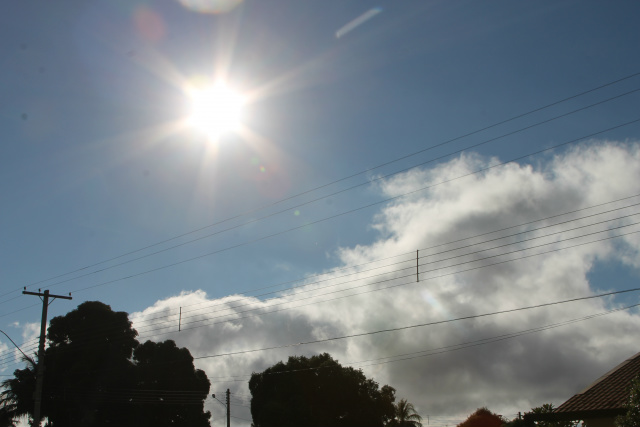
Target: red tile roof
x: 609, y: 392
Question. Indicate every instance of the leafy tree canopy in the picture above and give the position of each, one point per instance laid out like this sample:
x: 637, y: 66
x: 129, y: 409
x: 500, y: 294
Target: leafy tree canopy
x: 483, y: 418
x: 548, y: 408
x: 98, y: 374
x: 318, y: 392
x: 632, y: 417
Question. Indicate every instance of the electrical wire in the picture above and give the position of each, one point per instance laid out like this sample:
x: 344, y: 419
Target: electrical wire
x: 437, y: 350
x: 412, y: 267
x: 237, y: 317
x: 402, y: 284
x: 209, y: 319
x: 428, y: 324
x: 345, y: 178
x: 550, y: 119
x: 349, y: 211
x: 420, y: 325
x: 304, y: 281
x: 166, y: 317
x: 562, y: 144
x: 336, y: 193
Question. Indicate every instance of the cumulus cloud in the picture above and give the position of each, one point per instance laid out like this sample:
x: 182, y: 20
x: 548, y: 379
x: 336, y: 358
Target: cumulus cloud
x: 4, y: 349
x: 541, y: 258
x: 12, y: 357
x: 30, y: 331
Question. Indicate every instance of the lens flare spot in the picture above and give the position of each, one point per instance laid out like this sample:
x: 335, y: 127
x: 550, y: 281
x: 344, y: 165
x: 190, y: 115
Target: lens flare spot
x: 296, y: 212
x: 262, y: 169
x: 210, y: 6
x: 149, y: 24
x: 433, y: 302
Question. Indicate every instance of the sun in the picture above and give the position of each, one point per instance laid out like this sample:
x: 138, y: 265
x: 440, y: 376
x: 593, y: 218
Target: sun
x: 216, y: 110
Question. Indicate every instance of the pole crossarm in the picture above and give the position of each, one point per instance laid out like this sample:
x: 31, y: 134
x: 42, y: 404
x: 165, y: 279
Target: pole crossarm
x: 40, y: 294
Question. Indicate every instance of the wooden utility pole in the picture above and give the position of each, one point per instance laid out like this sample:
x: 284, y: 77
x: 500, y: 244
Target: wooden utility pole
x: 228, y: 408
x: 37, y: 395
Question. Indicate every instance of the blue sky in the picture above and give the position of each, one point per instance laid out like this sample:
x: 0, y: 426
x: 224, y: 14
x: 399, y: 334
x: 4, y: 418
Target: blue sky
x: 93, y: 165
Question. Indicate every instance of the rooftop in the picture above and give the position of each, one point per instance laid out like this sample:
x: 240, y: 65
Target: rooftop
x: 609, y: 393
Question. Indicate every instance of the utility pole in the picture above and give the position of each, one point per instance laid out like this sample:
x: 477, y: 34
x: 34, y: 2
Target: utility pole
x: 37, y: 396
x: 228, y: 408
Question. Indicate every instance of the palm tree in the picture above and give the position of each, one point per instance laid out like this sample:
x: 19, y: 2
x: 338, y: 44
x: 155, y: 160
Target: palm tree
x: 405, y: 415
x: 15, y: 398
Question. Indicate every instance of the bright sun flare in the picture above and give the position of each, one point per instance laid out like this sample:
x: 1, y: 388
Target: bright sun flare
x: 216, y: 110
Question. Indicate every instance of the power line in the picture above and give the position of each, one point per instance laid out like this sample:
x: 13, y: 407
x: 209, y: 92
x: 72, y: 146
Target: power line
x: 410, y: 260
x: 466, y: 238
x: 338, y: 192
x: 503, y: 337
x: 575, y: 219
x: 432, y: 254
x: 457, y: 346
x: 16, y: 345
x: 392, y: 286
x: 587, y: 107
x: 353, y: 175
x: 166, y: 317
x: 440, y: 350
x: 303, y: 283
x: 420, y: 325
x: 19, y: 310
x: 395, y: 278
x: 424, y: 324
x: 350, y: 211
x: 210, y: 323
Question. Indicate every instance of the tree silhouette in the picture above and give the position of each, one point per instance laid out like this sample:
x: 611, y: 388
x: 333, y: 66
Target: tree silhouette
x: 24, y: 382
x: 405, y: 415
x: 180, y: 389
x: 548, y: 408
x: 98, y: 374
x: 483, y: 418
x: 318, y: 392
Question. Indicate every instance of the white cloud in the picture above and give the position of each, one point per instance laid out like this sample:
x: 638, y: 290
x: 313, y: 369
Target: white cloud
x: 508, y: 376
x: 13, y: 357
x: 4, y: 348
x: 30, y: 331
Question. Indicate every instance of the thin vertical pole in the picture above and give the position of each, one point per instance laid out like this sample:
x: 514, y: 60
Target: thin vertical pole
x: 37, y: 407
x: 228, y: 409
x: 37, y: 395
x: 180, y: 320
x: 417, y: 266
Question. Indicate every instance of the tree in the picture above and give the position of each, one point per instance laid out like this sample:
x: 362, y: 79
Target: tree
x: 24, y: 382
x: 405, y: 415
x: 548, y: 408
x: 181, y: 388
x: 483, y: 418
x: 89, y: 353
x: 632, y: 417
x: 98, y: 374
x: 318, y: 391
